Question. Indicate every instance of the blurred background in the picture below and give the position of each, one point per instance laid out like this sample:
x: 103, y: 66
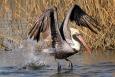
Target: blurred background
x: 18, y: 16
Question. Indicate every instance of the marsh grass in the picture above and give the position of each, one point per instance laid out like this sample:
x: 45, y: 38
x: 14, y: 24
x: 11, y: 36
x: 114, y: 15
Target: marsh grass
x: 18, y: 16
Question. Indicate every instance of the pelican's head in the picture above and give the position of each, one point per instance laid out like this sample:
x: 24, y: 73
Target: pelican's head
x: 77, y: 40
x: 74, y: 31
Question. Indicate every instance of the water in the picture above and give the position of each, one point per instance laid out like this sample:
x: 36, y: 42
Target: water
x: 99, y: 64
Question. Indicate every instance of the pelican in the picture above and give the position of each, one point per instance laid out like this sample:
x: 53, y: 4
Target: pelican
x: 65, y: 41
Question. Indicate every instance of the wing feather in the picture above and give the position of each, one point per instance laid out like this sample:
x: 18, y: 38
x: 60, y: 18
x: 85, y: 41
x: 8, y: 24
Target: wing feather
x: 83, y: 19
x: 40, y: 26
x: 47, y: 25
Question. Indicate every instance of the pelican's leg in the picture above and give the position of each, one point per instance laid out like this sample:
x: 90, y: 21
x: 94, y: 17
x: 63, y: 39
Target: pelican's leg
x: 70, y: 63
x: 59, y: 66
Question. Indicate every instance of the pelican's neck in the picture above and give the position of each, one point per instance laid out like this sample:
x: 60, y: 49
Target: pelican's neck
x: 75, y: 44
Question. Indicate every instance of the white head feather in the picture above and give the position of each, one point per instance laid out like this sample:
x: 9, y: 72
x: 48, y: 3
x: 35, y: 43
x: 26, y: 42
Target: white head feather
x: 75, y: 44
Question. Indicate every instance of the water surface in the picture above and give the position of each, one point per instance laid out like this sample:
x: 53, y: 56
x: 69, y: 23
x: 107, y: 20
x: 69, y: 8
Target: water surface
x: 99, y: 64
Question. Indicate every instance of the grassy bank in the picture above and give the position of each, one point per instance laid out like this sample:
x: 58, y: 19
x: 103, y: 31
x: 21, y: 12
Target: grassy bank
x: 18, y: 16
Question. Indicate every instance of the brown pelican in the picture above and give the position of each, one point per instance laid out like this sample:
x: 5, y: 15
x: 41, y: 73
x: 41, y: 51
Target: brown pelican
x: 65, y: 41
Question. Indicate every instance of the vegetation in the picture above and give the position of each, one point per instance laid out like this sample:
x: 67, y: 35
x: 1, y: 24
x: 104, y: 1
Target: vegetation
x: 18, y: 16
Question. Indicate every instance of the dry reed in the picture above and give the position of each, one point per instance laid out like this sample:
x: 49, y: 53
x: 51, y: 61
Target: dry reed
x: 20, y: 16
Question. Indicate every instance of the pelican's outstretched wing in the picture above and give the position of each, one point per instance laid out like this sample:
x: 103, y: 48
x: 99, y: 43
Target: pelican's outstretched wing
x: 81, y: 18
x: 48, y: 26
x: 41, y: 25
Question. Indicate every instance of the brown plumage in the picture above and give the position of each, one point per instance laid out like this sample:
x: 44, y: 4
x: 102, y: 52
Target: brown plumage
x: 62, y: 41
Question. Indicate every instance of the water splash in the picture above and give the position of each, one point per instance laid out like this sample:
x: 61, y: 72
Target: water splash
x: 10, y: 44
x: 21, y: 55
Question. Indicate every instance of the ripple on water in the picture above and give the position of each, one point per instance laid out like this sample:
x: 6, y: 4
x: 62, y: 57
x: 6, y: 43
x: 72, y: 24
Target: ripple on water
x: 98, y: 65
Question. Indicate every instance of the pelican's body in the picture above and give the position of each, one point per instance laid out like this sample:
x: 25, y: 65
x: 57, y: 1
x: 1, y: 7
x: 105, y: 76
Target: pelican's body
x: 65, y: 41
x: 63, y: 50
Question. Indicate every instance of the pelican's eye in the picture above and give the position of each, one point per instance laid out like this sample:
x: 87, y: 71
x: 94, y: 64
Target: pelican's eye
x: 75, y: 37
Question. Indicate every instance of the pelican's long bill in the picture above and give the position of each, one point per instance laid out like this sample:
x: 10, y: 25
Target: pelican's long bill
x: 84, y: 43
